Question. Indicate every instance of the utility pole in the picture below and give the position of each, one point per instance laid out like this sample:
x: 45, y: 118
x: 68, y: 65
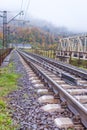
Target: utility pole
x: 5, y: 23
x: 8, y: 34
x: 20, y: 13
x: 4, y: 29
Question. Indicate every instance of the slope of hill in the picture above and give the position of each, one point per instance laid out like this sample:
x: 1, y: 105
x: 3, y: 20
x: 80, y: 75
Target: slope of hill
x: 36, y: 32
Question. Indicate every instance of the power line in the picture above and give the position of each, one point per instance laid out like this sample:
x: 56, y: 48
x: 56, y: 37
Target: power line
x: 20, y: 13
x: 25, y: 5
x: 21, y: 9
x: 27, y: 9
x: 21, y: 5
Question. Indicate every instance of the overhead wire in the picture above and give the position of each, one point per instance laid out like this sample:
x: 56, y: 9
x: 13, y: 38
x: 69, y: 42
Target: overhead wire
x: 24, y: 5
x: 28, y: 4
x: 21, y: 9
x: 21, y: 5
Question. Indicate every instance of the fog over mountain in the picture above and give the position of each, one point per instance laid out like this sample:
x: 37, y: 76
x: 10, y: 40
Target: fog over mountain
x: 62, y: 13
x: 49, y: 27
x: 42, y: 24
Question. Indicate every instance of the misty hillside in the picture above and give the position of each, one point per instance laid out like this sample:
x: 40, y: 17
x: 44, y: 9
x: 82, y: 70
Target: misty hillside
x: 48, y: 27
x: 44, y: 25
x: 35, y: 31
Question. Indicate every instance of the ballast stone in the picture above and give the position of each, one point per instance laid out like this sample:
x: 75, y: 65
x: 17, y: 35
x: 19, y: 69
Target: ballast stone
x: 42, y: 91
x: 38, y: 86
x: 52, y: 108
x: 46, y: 99
x: 77, y: 91
x: 64, y: 123
x: 35, y: 81
x: 33, y: 78
x: 82, y: 98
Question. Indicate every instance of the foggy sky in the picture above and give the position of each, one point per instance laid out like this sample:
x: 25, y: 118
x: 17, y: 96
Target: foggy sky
x: 69, y: 13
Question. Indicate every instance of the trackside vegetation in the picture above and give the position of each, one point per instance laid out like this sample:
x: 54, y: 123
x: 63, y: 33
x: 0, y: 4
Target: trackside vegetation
x: 8, y: 83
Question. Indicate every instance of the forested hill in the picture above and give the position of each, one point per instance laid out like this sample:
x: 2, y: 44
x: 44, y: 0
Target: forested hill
x: 36, y: 32
x: 39, y: 32
x: 49, y: 27
x: 33, y: 35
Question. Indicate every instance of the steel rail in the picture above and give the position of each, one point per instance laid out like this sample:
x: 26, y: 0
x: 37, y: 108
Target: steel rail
x: 66, y: 76
x: 75, y: 106
x: 67, y: 67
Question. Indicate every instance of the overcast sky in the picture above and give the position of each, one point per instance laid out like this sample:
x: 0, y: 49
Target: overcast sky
x: 69, y: 13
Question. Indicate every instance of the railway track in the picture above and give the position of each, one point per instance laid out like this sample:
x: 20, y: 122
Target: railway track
x: 75, y: 96
x: 70, y: 75
x: 68, y: 72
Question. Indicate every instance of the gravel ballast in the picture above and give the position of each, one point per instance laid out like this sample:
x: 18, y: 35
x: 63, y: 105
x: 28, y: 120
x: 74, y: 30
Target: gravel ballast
x: 24, y: 103
x: 26, y: 110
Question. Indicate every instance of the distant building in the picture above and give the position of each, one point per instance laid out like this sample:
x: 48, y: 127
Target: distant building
x: 20, y: 45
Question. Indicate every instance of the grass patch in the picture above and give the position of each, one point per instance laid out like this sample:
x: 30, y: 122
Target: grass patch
x: 8, y: 83
x: 79, y: 63
x: 46, y: 53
